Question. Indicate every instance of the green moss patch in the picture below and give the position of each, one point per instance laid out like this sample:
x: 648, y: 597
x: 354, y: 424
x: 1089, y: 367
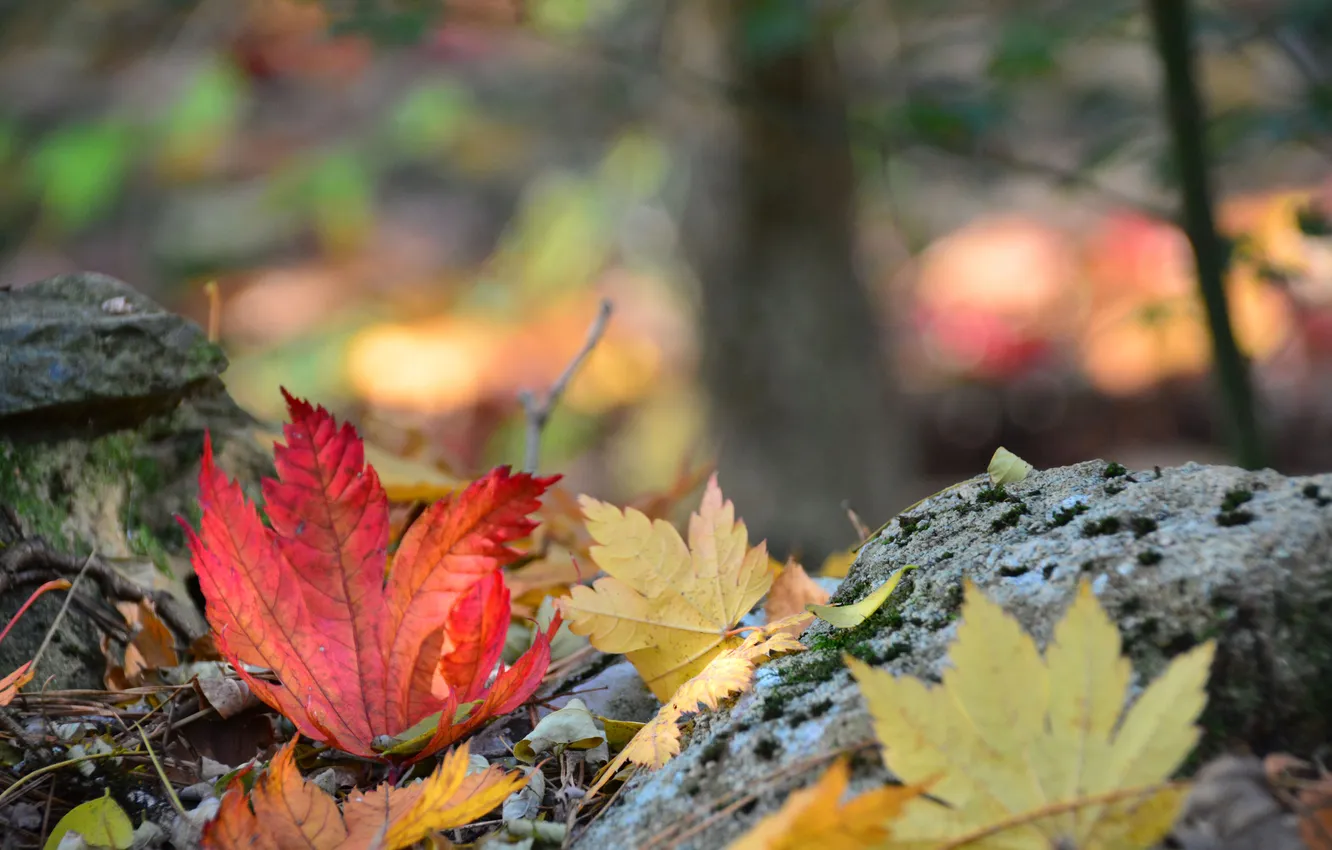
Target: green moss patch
x: 1096, y: 528
x: 1064, y: 516
x: 1141, y: 526
x: 1010, y: 517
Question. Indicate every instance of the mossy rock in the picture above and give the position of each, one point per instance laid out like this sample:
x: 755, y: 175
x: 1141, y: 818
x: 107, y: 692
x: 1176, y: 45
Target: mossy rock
x: 1168, y: 560
x: 100, y: 443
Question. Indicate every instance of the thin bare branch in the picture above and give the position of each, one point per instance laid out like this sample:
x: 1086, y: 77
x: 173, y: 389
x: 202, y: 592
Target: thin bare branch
x: 539, y: 414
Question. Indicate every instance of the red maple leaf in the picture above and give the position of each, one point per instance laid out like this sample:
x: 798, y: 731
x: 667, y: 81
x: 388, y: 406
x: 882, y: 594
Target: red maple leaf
x: 361, y: 650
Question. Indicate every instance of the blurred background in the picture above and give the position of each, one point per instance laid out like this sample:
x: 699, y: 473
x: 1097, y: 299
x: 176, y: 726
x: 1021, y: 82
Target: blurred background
x: 853, y: 245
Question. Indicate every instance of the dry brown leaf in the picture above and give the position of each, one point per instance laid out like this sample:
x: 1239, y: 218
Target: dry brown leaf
x: 227, y: 696
x: 1313, y: 794
x: 292, y: 814
x: 152, y: 648
x: 791, y: 591
x: 1316, y: 820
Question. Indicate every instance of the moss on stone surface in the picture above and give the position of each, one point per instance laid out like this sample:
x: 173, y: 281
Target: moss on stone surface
x: 908, y: 525
x: 1315, y: 494
x: 1273, y: 641
x: 1010, y: 517
x: 1227, y: 519
x: 1142, y: 526
x: 992, y: 495
x: 1098, y: 527
x: 45, y: 484
x: 888, y: 617
x: 1064, y: 516
x: 1236, y: 497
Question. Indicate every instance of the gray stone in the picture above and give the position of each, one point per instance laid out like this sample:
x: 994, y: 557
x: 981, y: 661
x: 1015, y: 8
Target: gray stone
x: 85, y: 350
x: 617, y: 692
x: 104, y: 401
x: 1198, y: 552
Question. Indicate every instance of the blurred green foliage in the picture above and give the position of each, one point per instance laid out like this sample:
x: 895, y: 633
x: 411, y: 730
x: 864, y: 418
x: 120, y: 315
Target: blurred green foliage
x: 333, y: 191
x: 430, y: 117
x: 207, y: 109
x: 77, y: 171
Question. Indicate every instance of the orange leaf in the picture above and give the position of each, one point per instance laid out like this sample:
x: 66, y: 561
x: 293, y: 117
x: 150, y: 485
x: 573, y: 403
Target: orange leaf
x: 153, y: 647
x: 817, y: 817
x: 10, y: 684
x: 355, y: 654
x: 791, y: 591
x: 292, y: 814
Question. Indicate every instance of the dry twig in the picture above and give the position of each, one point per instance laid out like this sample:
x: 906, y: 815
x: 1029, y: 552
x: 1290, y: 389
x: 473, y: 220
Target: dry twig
x: 34, y: 560
x: 539, y: 414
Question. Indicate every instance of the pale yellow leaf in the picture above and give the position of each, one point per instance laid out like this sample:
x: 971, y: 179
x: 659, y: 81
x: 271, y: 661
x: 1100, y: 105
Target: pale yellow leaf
x: 619, y: 732
x: 657, y: 742
x: 1142, y: 821
x: 573, y: 727
x: 991, y: 656
x: 646, y: 555
x: 1159, y: 730
x: 1085, y: 653
x: 838, y: 564
x: 816, y: 817
x: 652, y: 746
x: 100, y: 823
x: 847, y: 616
x: 1030, y: 753
x: 1007, y: 468
x: 667, y: 606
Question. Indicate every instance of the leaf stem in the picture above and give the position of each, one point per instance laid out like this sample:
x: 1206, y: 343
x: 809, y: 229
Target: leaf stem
x: 161, y: 774
x: 12, y: 791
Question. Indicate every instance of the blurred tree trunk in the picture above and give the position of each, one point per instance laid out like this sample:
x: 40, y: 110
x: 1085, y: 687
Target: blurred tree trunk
x: 794, y: 360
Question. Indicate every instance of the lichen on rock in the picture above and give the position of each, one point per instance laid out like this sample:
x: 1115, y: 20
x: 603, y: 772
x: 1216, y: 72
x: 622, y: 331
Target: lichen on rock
x: 1162, y: 559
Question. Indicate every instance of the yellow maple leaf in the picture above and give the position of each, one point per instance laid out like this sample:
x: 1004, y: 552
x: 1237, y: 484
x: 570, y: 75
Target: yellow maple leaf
x: 668, y: 607
x: 816, y: 816
x: 1031, y: 752
x: 728, y: 673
